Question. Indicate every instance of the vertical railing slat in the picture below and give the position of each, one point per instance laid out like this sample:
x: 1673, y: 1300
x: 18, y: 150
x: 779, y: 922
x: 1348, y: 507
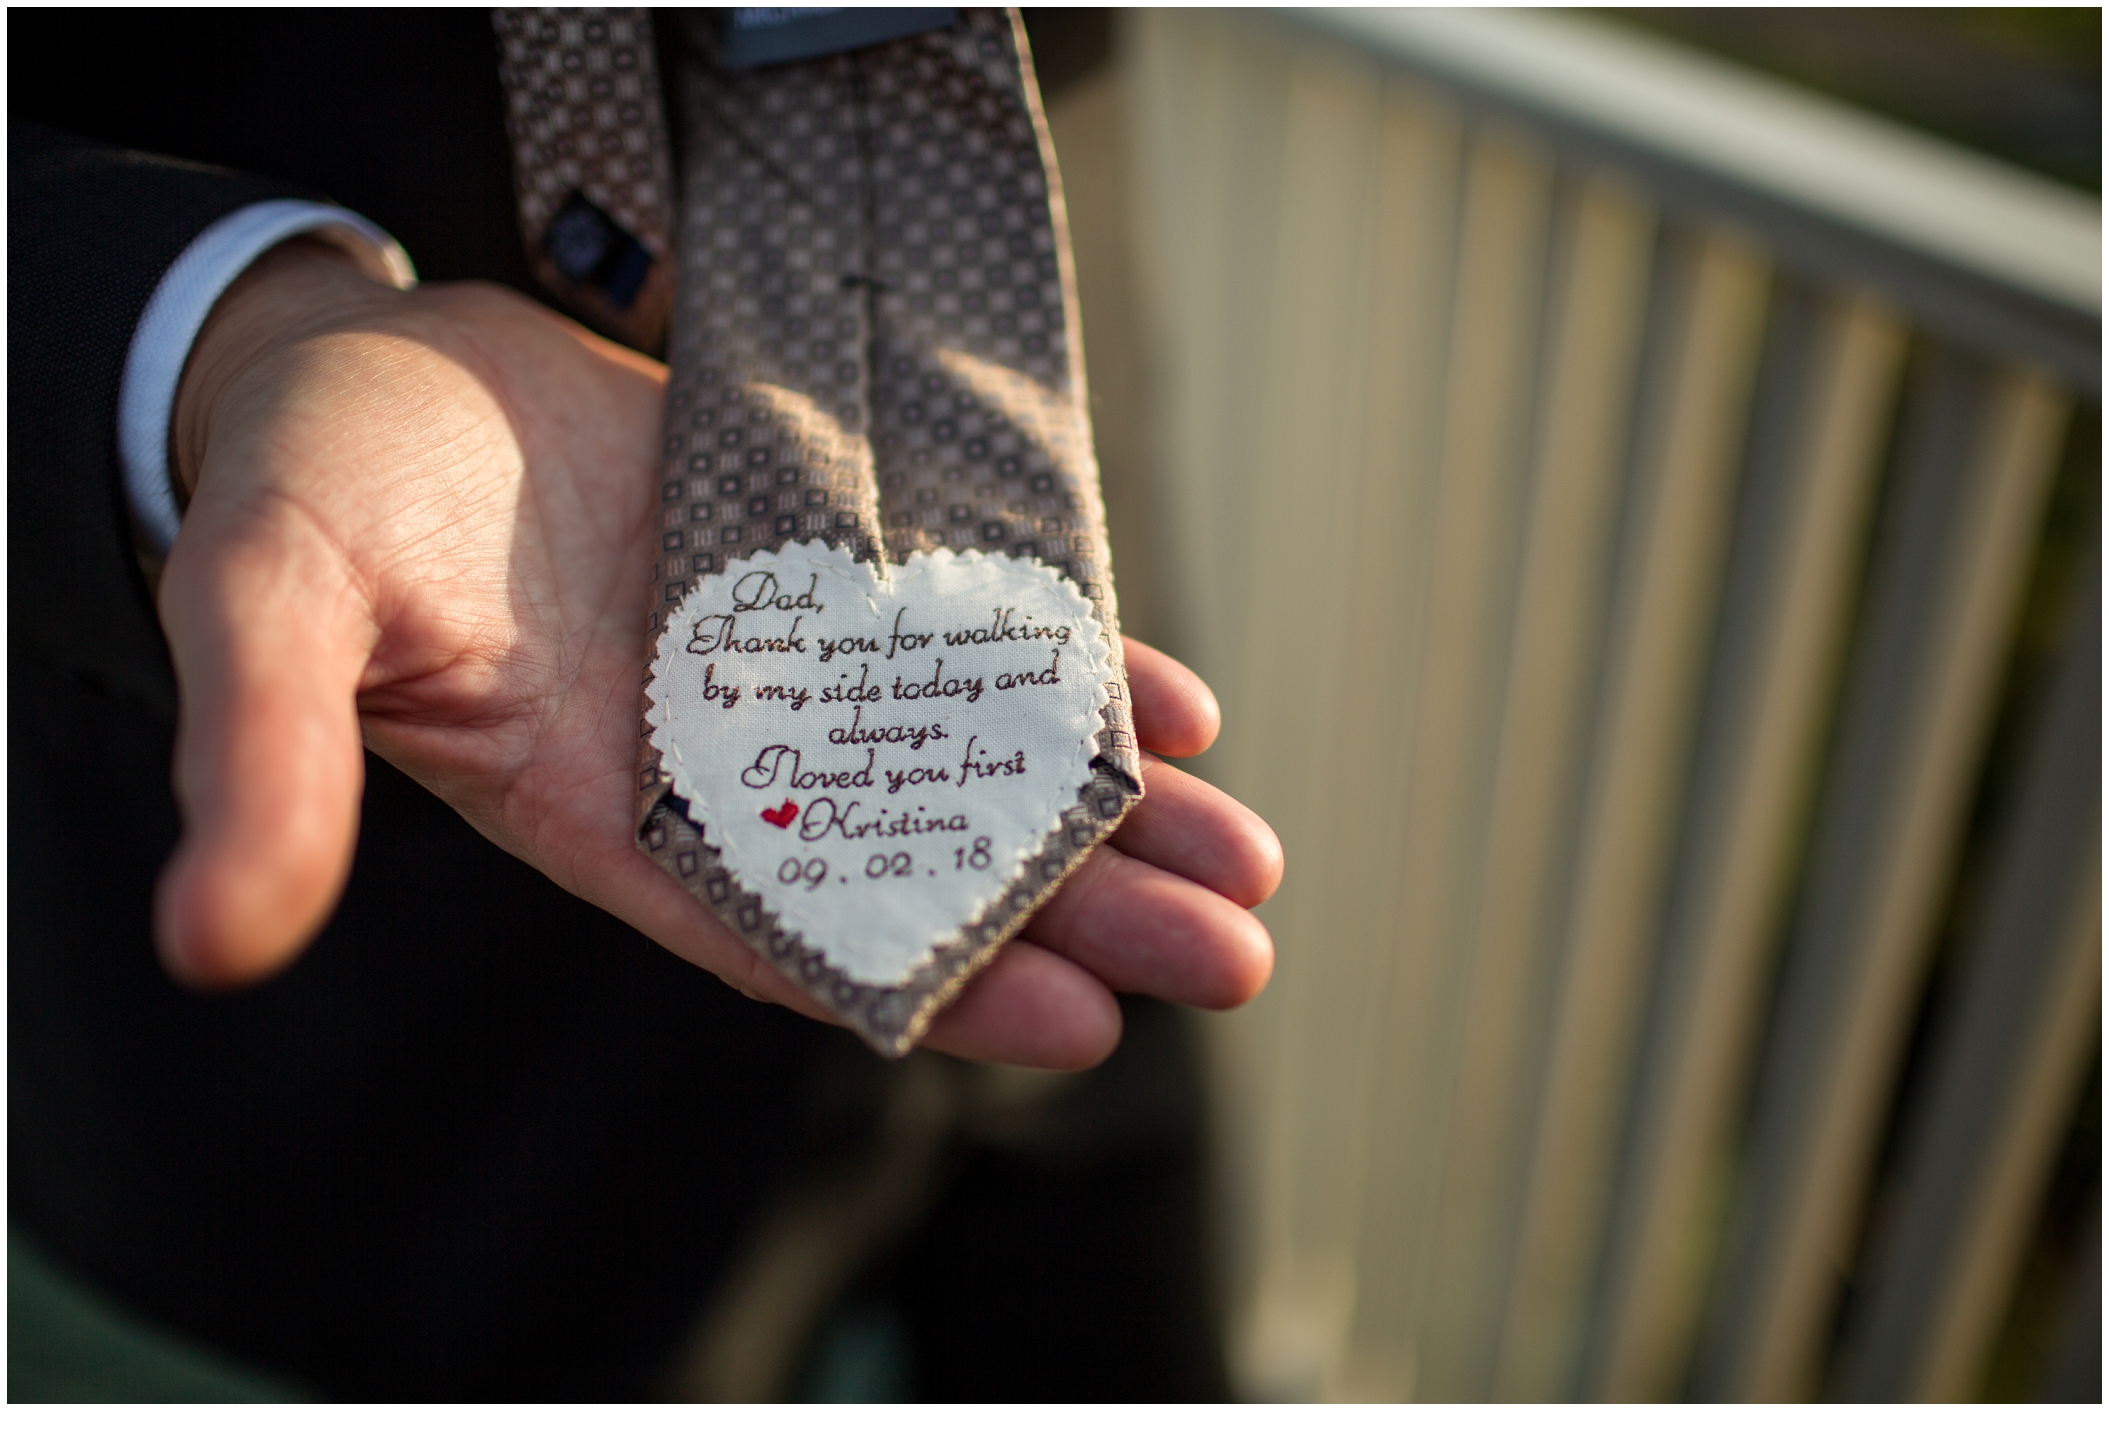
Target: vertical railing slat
x: 1700, y: 372
x: 1598, y: 312
x: 1209, y: 98
x: 1824, y: 415
x: 1979, y: 451
x: 1340, y: 1004
x: 2021, y: 1035
x: 1473, y: 544
x: 1213, y: 96
x: 1290, y: 629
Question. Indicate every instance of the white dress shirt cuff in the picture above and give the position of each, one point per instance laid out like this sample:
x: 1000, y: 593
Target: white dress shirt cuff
x: 174, y: 314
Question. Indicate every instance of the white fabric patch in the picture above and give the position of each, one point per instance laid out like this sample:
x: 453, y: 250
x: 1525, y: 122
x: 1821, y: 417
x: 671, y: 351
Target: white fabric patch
x: 878, y: 758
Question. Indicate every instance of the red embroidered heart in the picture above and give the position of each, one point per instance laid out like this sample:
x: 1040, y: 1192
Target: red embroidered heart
x: 780, y: 816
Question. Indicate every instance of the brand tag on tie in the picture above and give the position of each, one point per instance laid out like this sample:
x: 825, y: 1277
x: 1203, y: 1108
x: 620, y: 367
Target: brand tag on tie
x: 753, y: 36
x: 589, y: 248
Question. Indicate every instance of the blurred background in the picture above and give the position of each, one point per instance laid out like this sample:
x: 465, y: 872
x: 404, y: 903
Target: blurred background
x: 1632, y: 478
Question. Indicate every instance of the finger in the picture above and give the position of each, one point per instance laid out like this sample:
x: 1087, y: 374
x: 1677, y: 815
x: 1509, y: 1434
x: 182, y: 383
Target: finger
x: 1140, y: 929
x: 1200, y: 833
x: 1032, y: 1009
x: 1175, y: 713
x: 265, y: 631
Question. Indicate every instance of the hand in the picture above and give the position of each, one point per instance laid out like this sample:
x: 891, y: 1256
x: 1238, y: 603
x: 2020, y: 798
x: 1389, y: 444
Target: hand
x: 421, y: 523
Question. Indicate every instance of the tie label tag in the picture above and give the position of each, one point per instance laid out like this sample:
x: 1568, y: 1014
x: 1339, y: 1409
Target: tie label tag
x: 589, y: 248
x: 878, y: 759
x: 749, y: 37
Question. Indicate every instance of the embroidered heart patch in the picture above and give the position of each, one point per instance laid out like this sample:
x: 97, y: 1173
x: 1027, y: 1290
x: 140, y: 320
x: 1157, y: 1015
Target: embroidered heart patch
x: 877, y: 758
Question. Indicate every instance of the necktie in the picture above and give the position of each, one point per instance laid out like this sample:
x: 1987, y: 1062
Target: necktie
x: 592, y: 172
x: 873, y: 341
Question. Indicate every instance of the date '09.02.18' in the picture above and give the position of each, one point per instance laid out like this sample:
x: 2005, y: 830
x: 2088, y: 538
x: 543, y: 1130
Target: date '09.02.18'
x: 813, y: 871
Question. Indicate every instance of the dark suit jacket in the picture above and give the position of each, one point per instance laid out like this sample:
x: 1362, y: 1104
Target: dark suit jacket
x: 482, y: 1140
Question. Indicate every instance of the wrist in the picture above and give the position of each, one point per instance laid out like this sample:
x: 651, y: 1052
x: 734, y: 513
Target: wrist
x: 296, y: 288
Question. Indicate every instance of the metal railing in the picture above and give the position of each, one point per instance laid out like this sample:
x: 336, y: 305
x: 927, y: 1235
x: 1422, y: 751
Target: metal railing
x: 1603, y: 486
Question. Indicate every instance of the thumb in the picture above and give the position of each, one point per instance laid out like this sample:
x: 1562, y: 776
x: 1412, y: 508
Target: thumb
x: 269, y: 637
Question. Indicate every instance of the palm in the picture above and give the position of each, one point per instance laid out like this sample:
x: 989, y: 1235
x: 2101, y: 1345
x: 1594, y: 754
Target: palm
x: 424, y: 526
x: 510, y: 626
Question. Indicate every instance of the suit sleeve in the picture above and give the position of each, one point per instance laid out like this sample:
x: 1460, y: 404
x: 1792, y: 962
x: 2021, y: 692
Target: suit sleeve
x: 91, y: 229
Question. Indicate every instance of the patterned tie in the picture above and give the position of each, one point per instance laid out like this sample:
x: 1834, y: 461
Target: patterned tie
x: 874, y: 342
x: 591, y: 170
